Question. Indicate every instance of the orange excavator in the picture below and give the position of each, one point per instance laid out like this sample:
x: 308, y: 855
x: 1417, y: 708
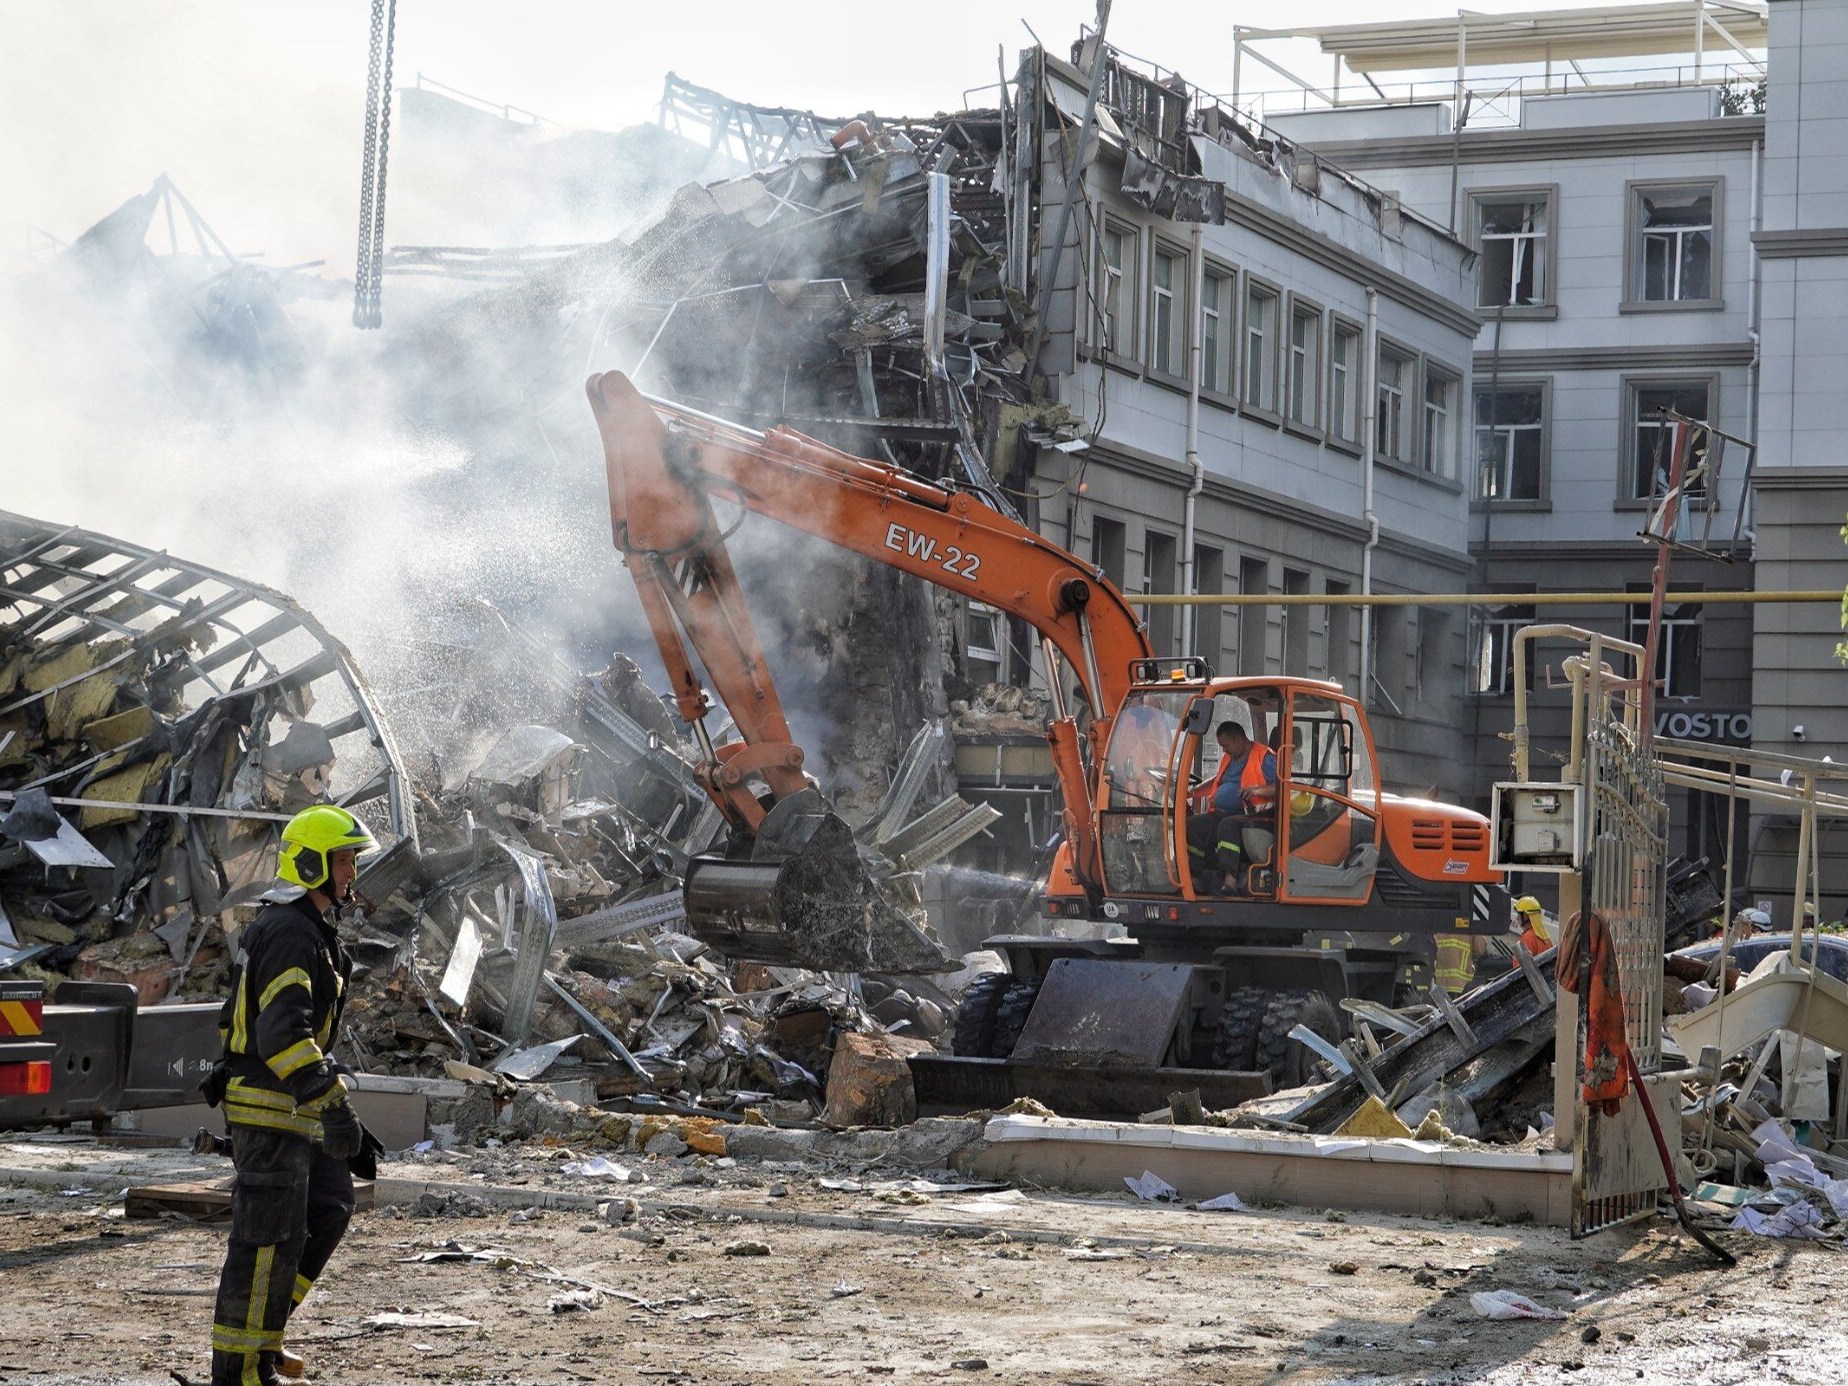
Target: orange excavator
x: 1327, y: 888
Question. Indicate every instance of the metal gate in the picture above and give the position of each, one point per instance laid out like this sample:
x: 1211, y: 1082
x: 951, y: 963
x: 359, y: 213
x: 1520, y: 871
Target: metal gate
x: 1616, y: 1173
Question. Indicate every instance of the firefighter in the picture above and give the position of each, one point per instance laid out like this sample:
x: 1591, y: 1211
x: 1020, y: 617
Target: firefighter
x: 1454, y: 963
x: 1536, y: 934
x: 285, y: 1106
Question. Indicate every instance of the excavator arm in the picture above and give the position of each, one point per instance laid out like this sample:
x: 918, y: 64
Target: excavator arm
x: 665, y: 465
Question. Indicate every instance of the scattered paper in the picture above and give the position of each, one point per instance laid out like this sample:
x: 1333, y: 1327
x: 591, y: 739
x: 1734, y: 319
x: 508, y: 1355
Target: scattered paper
x: 1506, y: 1304
x: 1225, y: 1203
x: 1798, y: 1221
x: 1153, y: 1187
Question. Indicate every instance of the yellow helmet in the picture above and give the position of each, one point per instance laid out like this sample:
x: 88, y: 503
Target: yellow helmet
x: 311, y: 837
x: 1527, y: 905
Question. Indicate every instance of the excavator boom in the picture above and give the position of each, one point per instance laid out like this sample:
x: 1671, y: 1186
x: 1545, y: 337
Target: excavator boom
x: 665, y: 464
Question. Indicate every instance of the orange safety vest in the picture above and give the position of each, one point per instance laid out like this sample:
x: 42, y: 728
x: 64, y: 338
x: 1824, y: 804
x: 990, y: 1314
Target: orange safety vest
x: 1252, y: 785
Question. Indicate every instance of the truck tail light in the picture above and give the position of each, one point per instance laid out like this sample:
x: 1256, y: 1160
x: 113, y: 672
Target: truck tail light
x: 25, y: 1080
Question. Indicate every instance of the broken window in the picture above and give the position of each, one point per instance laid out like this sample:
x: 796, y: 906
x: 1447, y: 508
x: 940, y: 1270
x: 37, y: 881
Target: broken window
x: 1344, y: 383
x: 1295, y: 619
x: 1438, y: 445
x: 1512, y: 235
x: 1677, y: 664
x: 1652, y: 433
x: 1216, y: 312
x: 1510, y: 439
x: 1673, y: 247
x: 1158, y: 564
x: 1117, y: 301
x: 1262, y: 304
x: 986, y: 640
x: 1305, y: 373
x: 1168, y: 311
x: 1492, y: 664
x: 1253, y: 581
x: 1336, y: 657
x: 1108, y: 548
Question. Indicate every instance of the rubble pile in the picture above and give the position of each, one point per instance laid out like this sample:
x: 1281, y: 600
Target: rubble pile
x: 158, y: 722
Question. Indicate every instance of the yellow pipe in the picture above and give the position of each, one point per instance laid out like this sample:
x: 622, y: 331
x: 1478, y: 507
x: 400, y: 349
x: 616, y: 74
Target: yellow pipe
x: 1470, y: 598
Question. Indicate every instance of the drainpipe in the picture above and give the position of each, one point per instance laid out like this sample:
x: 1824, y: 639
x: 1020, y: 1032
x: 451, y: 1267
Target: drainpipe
x: 1748, y: 511
x: 1370, y: 349
x: 1196, y: 473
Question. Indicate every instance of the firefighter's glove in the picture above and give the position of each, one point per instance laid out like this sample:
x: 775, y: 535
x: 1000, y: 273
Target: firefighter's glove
x: 341, y: 1134
x: 217, y: 1079
x: 364, y: 1163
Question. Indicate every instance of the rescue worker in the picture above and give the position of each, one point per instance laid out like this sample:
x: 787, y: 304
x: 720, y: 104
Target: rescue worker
x: 1536, y: 934
x: 285, y: 1106
x: 1240, y: 813
x: 1454, y: 964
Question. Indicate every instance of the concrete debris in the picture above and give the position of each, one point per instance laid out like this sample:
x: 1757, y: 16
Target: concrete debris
x: 159, y: 721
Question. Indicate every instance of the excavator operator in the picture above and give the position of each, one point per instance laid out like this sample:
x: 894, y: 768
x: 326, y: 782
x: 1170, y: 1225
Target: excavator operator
x: 1240, y: 818
x: 285, y: 1106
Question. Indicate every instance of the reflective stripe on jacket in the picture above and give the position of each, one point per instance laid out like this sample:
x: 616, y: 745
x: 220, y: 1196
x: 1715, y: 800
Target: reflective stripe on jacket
x: 287, y: 991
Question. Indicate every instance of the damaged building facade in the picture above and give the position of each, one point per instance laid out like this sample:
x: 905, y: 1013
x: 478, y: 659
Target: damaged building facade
x: 1643, y: 244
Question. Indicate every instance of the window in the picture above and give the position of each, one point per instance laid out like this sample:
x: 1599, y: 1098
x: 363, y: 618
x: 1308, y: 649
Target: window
x: 1493, y: 662
x: 1677, y: 666
x: 1344, y: 379
x: 1260, y: 364
x: 1510, y: 442
x: 1295, y: 620
x: 985, y: 643
x: 1433, y: 659
x: 1651, y: 432
x: 1512, y: 237
x: 1216, y: 310
x: 1208, y: 621
x: 1672, y: 257
x: 1168, y: 311
x: 1305, y: 371
x: 1437, y: 443
x: 1158, y: 560
x: 1116, y: 304
x: 1340, y: 636
x: 1253, y: 581
x: 1392, y: 440
x: 1107, y: 549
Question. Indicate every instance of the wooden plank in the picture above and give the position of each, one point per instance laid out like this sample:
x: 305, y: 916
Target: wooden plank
x: 206, y: 1200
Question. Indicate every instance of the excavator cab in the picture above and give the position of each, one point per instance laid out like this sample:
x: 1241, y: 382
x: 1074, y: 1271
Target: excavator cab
x: 1313, y: 836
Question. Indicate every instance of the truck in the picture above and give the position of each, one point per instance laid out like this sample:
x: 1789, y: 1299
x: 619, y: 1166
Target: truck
x: 1344, y: 887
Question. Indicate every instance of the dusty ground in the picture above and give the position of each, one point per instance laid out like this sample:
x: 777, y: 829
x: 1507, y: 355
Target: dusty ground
x: 875, y: 1283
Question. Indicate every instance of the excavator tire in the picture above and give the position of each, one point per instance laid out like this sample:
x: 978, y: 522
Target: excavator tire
x: 1235, y: 1042
x: 974, y: 1030
x: 1290, y: 1063
x: 1011, y: 1018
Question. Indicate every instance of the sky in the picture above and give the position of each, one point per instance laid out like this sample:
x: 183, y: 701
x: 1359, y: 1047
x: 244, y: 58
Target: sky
x: 239, y: 97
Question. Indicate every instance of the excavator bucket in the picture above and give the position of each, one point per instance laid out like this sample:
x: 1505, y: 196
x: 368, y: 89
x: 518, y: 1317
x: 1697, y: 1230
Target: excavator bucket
x: 804, y: 897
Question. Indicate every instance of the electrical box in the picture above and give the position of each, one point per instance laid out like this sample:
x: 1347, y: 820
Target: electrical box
x: 1536, y: 827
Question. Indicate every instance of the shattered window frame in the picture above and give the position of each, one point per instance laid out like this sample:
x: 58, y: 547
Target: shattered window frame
x: 1303, y: 377
x: 1346, y: 379
x: 1678, y: 653
x: 1120, y: 295
x: 1666, y: 255
x: 984, y: 640
x: 1261, y: 348
x: 1536, y: 250
x: 1219, y: 379
x: 1491, y: 666
x: 1174, y: 300
x: 1500, y: 445
x: 1638, y: 486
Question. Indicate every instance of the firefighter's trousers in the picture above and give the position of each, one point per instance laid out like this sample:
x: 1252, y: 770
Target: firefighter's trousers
x: 290, y: 1205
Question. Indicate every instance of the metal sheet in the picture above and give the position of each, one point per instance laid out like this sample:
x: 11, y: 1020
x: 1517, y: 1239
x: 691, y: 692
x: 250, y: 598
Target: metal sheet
x: 1105, y: 1010
x: 528, y: 1064
x: 68, y: 848
x: 459, y: 975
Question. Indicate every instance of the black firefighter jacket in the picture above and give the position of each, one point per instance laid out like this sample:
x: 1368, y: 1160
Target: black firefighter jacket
x: 287, y: 992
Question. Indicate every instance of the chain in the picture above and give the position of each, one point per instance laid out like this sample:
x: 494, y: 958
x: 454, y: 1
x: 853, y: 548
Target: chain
x: 368, y: 262
x: 362, y: 261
